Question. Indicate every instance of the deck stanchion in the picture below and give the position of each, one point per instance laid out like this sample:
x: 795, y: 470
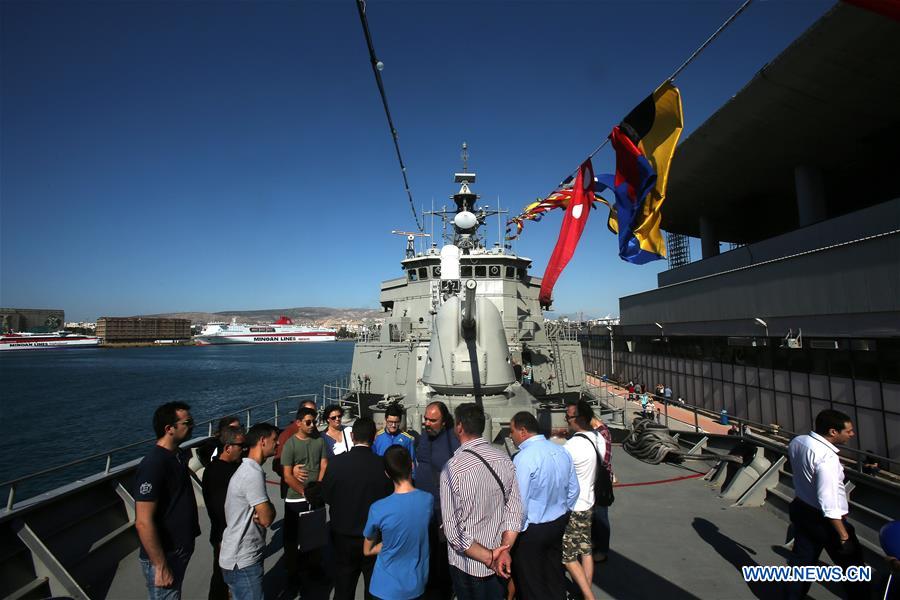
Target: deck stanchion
x: 248, y: 419
x: 12, y: 496
x: 210, y: 429
x: 276, y: 413
x: 108, y: 463
x: 666, y: 406
x: 696, y: 421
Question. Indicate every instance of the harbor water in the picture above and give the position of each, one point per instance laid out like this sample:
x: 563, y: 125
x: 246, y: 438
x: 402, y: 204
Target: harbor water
x: 59, y: 405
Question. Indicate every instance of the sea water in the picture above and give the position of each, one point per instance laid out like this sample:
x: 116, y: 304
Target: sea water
x: 60, y: 405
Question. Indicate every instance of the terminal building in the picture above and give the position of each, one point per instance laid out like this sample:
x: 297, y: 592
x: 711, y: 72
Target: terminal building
x: 142, y: 329
x: 33, y: 320
x: 796, y: 174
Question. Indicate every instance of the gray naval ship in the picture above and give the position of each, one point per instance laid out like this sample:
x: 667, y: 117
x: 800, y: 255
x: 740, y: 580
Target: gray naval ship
x: 464, y: 324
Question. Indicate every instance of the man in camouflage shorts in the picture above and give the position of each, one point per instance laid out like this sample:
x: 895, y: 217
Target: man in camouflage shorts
x: 585, y: 446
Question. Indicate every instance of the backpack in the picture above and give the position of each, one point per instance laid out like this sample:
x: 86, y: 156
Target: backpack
x: 603, y: 488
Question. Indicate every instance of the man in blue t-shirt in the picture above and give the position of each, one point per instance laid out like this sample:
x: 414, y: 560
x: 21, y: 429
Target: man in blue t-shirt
x: 397, y: 532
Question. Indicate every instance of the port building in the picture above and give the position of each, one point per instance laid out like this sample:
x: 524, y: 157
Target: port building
x: 142, y: 329
x: 795, y: 178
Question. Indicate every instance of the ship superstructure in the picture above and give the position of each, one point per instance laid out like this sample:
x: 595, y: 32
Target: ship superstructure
x: 464, y: 323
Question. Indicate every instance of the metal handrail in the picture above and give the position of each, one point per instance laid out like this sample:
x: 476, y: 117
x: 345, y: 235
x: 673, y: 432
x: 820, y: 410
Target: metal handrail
x: 740, y: 420
x: 12, y: 483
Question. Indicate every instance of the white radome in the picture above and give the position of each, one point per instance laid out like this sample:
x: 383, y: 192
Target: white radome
x: 465, y: 220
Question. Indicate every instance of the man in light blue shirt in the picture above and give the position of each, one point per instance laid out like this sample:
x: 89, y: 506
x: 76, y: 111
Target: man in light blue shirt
x: 549, y: 490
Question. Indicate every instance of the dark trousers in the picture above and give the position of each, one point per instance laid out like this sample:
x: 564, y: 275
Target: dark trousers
x: 814, y: 533
x: 217, y: 588
x: 600, y: 529
x: 537, y: 561
x: 439, y: 586
x: 469, y: 587
x: 349, y: 562
x: 289, y: 535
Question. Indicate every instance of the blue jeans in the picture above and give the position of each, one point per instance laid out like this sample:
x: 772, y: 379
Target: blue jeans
x: 600, y: 529
x: 177, y: 560
x: 469, y: 587
x: 246, y: 583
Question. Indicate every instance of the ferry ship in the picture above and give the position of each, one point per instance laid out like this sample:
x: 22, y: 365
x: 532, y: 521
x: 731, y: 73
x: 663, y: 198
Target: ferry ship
x: 38, y: 341
x: 282, y: 331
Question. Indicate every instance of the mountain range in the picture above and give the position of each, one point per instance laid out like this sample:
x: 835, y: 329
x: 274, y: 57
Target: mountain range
x: 301, y: 314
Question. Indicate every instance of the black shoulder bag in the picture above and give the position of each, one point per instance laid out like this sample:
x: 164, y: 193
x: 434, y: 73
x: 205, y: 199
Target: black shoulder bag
x: 603, y: 488
x: 494, y: 473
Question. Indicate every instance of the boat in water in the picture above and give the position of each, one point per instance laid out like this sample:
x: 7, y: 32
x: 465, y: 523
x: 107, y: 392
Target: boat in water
x: 282, y: 331
x: 43, y: 341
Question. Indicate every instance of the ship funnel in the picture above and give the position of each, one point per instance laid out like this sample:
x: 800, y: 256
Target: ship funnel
x: 468, y: 354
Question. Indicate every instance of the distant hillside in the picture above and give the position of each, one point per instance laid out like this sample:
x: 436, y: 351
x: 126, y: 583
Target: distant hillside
x: 303, y: 314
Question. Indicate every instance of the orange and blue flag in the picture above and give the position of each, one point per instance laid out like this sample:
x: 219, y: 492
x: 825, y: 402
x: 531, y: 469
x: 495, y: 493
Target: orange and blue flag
x: 644, y: 144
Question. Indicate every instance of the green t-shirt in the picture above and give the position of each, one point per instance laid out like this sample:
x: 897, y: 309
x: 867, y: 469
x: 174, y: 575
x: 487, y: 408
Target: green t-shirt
x: 308, y: 453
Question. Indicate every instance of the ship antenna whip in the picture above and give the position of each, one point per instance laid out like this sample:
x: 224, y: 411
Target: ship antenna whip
x: 377, y: 66
x: 684, y: 65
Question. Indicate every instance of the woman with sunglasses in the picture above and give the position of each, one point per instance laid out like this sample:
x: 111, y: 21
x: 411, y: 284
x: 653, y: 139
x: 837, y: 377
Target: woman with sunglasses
x: 337, y: 436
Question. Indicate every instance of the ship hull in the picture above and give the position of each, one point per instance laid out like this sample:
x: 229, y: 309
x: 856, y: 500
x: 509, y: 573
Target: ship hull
x: 270, y: 338
x: 47, y: 343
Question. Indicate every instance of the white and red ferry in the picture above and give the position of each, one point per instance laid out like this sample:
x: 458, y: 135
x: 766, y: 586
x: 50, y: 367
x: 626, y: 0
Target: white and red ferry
x: 37, y: 341
x: 282, y: 331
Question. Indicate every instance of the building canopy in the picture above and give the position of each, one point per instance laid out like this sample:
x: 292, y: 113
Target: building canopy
x: 830, y: 102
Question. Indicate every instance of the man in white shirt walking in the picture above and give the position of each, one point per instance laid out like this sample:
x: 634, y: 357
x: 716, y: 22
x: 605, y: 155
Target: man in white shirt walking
x: 819, y: 510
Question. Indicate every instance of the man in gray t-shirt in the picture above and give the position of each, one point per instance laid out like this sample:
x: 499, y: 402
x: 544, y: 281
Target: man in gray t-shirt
x: 248, y: 513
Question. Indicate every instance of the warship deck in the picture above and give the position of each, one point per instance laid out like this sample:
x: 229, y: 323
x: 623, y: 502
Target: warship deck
x: 671, y: 535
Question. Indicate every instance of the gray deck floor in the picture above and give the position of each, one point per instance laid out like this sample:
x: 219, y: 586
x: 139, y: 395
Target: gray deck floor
x: 671, y: 540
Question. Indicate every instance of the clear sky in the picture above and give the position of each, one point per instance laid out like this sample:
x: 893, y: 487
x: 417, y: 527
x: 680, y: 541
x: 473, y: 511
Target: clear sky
x: 161, y: 156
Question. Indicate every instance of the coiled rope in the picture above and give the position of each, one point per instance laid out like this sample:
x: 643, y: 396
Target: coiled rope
x: 652, y: 443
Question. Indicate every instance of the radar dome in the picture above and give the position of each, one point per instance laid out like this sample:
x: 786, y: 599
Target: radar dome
x: 465, y: 220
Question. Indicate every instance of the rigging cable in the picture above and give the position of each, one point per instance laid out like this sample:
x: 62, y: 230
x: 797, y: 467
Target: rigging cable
x: 361, y: 7
x: 678, y: 71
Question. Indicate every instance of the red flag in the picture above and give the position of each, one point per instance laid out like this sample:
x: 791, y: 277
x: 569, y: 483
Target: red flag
x: 570, y: 232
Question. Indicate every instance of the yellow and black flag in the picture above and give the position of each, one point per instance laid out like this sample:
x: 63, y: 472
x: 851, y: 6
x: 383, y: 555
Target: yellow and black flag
x: 644, y: 143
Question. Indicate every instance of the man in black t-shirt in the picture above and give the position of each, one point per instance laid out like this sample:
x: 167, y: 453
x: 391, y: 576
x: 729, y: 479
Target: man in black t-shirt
x: 215, y: 487
x: 165, y: 508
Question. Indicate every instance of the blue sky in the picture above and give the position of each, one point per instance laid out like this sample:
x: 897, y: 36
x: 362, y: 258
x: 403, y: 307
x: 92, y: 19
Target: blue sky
x: 169, y: 156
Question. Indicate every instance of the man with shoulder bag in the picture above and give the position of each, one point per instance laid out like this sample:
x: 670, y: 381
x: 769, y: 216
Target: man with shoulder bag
x: 586, y: 447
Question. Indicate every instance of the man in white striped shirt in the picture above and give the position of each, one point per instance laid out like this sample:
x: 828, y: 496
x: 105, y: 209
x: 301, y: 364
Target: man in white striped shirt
x: 481, y: 510
x: 818, y: 512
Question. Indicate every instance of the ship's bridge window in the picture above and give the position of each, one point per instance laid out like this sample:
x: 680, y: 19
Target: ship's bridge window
x: 465, y: 271
x: 413, y: 275
x: 436, y: 271
x: 423, y: 273
x: 510, y: 272
x: 262, y: 330
x: 481, y: 271
x: 494, y: 271
x: 520, y: 273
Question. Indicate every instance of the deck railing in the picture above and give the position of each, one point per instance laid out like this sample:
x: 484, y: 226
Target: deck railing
x: 769, y: 431
x: 247, y: 412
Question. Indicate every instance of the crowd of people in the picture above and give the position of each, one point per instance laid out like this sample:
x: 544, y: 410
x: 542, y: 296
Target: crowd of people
x: 430, y: 515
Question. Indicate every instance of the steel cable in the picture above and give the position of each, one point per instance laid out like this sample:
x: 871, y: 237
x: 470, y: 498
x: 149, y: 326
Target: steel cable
x: 361, y: 7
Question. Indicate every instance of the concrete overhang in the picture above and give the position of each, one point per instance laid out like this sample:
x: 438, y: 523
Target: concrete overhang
x: 830, y: 101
